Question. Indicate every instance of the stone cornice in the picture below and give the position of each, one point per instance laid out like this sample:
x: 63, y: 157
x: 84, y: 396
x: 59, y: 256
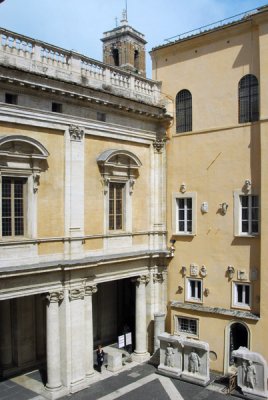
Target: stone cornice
x: 215, y: 310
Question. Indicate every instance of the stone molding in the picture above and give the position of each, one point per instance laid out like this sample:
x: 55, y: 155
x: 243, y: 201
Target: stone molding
x: 90, y: 290
x: 158, y: 277
x: 76, y: 294
x: 76, y: 133
x: 54, y: 297
x: 142, y: 280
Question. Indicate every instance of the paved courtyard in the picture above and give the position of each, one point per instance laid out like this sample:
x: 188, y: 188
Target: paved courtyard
x: 135, y: 382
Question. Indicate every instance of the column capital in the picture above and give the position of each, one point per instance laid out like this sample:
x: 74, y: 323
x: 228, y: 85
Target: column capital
x: 142, y: 279
x: 55, y: 297
x: 76, y: 294
x: 159, y: 144
x: 90, y: 290
x: 158, y: 277
x: 76, y: 133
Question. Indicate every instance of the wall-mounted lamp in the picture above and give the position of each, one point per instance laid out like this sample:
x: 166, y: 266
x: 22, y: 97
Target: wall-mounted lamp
x: 224, y: 208
x: 230, y: 271
x: 206, y: 292
x: 183, y: 188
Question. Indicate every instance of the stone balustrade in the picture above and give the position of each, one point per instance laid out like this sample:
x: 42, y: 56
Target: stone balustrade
x: 42, y: 58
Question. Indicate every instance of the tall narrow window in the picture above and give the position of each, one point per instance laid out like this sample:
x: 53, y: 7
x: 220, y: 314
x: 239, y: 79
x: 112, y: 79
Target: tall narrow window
x: 136, y: 59
x: 184, y: 215
x: 183, y: 111
x: 116, y: 205
x: 248, y: 99
x: 194, y: 289
x: 115, y: 54
x: 249, y: 214
x: 13, y: 198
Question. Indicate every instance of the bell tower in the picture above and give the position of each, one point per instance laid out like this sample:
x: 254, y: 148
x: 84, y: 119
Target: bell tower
x: 124, y: 47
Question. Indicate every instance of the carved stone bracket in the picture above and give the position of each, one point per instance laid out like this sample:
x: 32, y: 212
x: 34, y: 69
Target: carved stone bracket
x: 158, y: 277
x: 54, y: 297
x: 90, y: 290
x: 36, y: 181
x: 143, y: 279
x: 105, y: 183
x: 159, y: 144
x: 76, y: 133
x: 76, y: 294
x: 131, y: 185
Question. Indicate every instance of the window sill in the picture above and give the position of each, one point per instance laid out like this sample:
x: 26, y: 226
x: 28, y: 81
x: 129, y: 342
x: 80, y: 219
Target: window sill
x: 241, y: 307
x: 183, y: 234
x: 190, y: 335
x: 249, y: 235
x: 195, y: 301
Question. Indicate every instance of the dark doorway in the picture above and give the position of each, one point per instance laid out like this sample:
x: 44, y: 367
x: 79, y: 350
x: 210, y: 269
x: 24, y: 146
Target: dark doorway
x: 115, y: 53
x: 238, y: 337
x: 113, y: 310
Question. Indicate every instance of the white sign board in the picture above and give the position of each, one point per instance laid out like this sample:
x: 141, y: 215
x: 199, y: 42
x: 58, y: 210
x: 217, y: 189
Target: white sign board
x: 128, y: 338
x: 121, y: 341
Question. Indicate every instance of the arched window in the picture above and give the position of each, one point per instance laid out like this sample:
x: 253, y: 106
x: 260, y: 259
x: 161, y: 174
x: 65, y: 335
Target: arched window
x: 248, y: 89
x: 184, y: 111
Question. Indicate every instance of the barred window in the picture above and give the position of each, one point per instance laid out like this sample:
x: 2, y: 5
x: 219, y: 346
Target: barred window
x: 13, y: 199
x: 188, y: 325
x: 248, y: 99
x: 116, y: 205
x: 184, y: 111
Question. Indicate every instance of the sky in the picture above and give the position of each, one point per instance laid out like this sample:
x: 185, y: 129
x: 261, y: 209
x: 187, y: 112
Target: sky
x: 79, y: 24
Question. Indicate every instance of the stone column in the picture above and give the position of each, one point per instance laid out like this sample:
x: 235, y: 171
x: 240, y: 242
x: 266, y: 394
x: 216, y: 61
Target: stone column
x: 53, y: 342
x: 5, y: 334
x: 140, y: 353
x: 159, y: 327
x: 89, y: 290
x: 77, y: 307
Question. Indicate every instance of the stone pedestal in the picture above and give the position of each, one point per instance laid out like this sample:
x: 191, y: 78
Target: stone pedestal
x: 170, y: 355
x: 196, y: 362
x: 251, y: 373
x: 114, y: 361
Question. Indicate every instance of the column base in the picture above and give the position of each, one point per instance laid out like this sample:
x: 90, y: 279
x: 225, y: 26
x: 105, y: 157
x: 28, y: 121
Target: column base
x: 140, y: 357
x: 53, y: 394
x: 78, y: 385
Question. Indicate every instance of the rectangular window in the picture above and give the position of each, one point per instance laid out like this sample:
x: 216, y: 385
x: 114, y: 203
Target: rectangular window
x: 56, y: 107
x: 184, y: 217
x: 194, y: 289
x: 241, y: 294
x: 188, y: 325
x: 11, y: 98
x: 13, y: 206
x: 116, y: 205
x: 249, y: 214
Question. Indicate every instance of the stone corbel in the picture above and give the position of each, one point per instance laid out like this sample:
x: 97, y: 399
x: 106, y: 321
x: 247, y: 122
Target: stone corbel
x: 36, y: 181
x: 55, y: 297
x: 131, y: 185
x: 105, y: 183
x: 90, y: 290
x: 76, y: 133
x: 76, y: 294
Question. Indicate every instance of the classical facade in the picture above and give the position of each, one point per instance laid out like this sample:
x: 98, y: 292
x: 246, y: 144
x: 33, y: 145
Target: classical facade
x: 216, y: 84
x: 83, y: 234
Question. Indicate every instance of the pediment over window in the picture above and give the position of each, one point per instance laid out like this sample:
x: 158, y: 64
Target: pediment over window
x: 19, y: 146
x: 115, y: 162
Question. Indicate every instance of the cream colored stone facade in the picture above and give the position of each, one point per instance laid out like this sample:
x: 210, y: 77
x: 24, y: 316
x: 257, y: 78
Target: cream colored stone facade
x: 217, y: 289
x: 71, y: 129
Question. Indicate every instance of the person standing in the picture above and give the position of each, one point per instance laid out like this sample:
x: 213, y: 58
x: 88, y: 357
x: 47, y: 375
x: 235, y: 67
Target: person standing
x: 100, y: 357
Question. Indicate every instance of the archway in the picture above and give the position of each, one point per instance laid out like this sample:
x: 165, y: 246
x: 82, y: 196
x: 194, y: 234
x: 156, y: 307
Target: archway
x: 238, y: 337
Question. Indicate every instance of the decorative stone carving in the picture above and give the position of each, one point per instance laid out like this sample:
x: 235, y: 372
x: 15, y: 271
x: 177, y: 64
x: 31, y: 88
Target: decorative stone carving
x: 203, y: 271
x: 204, y: 207
x: 159, y: 144
x: 206, y: 292
x: 55, y: 297
x: 196, y: 362
x: 158, y: 277
x: 76, y: 133
x: 105, y: 183
x: 180, y: 289
x: 90, y: 290
x: 131, y: 185
x: 230, y: 271
x: 36, y: 181
x: 170, y: 355
x: 183, y: 270
x: 251, y: 373
x: 247, y: 185
x: 143, y: 279
x: 76, y: 294
x: 242, y: 275
x: 183, y: 188
x: 223, y: 208
x: 194, y: 270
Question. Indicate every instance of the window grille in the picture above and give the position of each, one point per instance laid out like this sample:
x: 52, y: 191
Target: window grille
x: 248, y: 99
x: 183, y: 111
